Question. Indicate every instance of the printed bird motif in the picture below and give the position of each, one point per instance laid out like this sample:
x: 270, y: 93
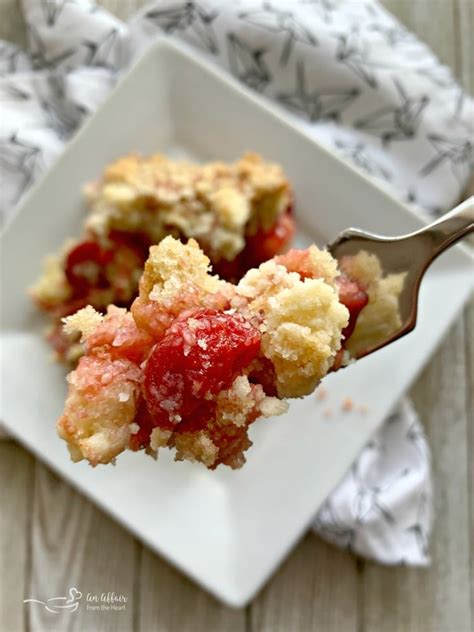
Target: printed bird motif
x: 12, y: 59
x: 421, y: 534
x: 63, y: 115
x: 39, y: 56
x: 52, y: 10
x: 457, y: 152
x: 15, y: 92
x: 398, y: 122
x: 19, y: 159
x: 191, y: 17
x: 247, y: 63
x: 284, y: 22
x: 333, y: 527
x: 369, y: 501
x: 324, y: 8
x: 102, y: 53
x: 360, y: 155
x: 313, y: 104
x: 354, y: 52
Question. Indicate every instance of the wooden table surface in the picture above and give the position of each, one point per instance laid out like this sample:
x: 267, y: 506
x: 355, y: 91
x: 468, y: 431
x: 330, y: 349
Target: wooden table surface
x: 52, y: 538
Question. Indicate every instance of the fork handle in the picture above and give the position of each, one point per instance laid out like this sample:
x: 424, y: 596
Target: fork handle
x: 450, y: 227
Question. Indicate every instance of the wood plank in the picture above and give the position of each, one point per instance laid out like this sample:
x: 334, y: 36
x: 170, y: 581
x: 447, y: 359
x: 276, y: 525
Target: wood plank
x: 437, y: 598
x: 73, y: 544
x: 464, y: 15
x: 169, y: 601
x: 12, y: 24
x: 16, y: 490
x: 469, y: 326
x: 465, y: 42
x: 432, y: 21
x: 315, y: 589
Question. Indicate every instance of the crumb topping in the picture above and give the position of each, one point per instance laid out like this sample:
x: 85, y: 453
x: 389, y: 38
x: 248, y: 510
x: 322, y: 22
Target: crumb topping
x: 211, y: 202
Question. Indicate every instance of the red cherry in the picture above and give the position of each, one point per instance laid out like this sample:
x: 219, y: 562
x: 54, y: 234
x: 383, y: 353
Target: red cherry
x: 84, y: 266
x: 200, y: 355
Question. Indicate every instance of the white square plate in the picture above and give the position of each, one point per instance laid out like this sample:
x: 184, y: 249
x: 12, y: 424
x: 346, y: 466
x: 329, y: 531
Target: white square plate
x: 228, y: 530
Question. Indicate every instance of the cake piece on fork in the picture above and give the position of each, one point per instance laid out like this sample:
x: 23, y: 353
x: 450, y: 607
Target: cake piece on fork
x: 198, y: 359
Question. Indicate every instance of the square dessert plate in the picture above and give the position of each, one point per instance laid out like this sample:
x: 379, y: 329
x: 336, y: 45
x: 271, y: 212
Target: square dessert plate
x: 226, y: 529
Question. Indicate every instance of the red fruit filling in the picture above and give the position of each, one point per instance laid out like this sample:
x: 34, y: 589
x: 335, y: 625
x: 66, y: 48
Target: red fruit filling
x: 84, y: 266
x: 200, y: 355
x: 141, y: 439
x: 90, y: 266
x: 260, y: 247
x: 265, y: 245
x: 263, y: 373
x: 99, y: 275
x: 354, y: 298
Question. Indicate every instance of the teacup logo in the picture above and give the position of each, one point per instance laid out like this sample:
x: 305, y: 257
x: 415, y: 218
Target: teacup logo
x: 60, y: 605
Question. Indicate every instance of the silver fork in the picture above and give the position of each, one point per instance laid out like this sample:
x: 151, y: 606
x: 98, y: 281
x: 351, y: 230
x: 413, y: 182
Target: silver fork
x: 411, y: 254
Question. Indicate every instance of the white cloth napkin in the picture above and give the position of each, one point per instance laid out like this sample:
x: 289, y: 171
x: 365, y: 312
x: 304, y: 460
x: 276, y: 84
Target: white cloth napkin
x: 353, y: 78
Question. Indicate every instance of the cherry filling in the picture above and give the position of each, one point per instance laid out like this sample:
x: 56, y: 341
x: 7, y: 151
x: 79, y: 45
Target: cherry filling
x: 200, y: 355
x: 90, y: 266
x: 263, y: 372
x: 264, y: 245
x: 85, y: 266
x: 354, y: 298
x: 99, y: 274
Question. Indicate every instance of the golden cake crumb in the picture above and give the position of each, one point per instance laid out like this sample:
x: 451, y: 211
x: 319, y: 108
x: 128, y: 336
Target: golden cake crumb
x: 303, y: 320
x: 196, y: 447
x: 84, y: 321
